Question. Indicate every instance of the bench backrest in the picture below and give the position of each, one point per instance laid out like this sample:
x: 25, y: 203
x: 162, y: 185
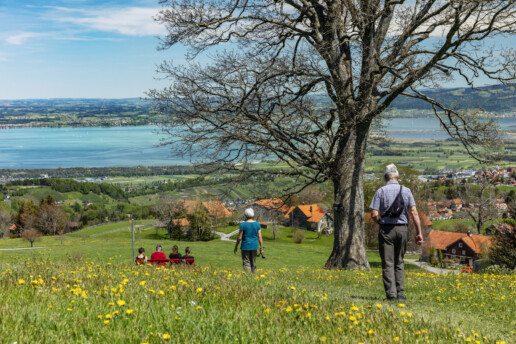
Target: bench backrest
x: 163, y: 262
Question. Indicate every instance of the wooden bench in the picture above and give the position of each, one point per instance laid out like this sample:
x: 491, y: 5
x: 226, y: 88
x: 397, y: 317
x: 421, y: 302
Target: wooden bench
x: 467, y: 269
x: 162, y: 262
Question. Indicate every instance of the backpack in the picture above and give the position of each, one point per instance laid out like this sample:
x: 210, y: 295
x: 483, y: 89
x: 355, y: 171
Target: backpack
x: 396, y: 208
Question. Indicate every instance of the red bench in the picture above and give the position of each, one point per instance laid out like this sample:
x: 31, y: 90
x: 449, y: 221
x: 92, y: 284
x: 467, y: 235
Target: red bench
x: 163, y: 262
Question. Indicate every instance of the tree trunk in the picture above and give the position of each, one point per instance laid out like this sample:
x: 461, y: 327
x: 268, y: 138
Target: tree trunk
x: 349, y: 249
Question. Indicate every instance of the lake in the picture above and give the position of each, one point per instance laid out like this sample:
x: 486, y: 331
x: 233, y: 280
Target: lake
x: 131, y: 146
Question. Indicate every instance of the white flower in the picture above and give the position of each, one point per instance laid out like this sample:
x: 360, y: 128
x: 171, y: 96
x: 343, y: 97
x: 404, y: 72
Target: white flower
x: 192, y: 303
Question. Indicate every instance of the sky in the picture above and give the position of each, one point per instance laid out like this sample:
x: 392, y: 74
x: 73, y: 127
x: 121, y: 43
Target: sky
x: 80, y: 49
x: 84, y: 49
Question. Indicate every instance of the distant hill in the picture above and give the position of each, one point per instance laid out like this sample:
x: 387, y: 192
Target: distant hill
x: 499, y: 99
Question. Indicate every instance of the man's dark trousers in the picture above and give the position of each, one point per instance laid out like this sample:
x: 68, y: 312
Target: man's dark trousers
x: 392, y: 240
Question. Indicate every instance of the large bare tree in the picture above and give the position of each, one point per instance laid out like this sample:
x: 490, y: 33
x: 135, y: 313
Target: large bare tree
x: 303, y: 80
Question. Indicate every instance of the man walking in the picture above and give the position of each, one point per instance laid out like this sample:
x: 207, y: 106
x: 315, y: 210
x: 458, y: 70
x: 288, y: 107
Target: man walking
x: 390, y: 207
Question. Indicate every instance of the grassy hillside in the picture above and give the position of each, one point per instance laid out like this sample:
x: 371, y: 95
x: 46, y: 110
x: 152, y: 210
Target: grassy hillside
x: 87, y: 290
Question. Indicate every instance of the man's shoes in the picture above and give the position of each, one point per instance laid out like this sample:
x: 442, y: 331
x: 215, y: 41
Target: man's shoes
x: 390, y: 298
x: 401, y: 297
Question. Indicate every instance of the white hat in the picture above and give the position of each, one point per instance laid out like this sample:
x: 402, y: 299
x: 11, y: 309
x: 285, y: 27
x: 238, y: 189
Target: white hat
x: 249, y: 213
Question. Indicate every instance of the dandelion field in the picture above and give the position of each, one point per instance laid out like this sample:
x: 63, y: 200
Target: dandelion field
x: 47, y: 298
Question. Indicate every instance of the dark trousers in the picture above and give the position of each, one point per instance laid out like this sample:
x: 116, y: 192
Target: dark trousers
x: 249, y: 260
x: 392, y: 240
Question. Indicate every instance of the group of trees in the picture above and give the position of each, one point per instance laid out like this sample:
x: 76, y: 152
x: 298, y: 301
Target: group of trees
x: 194, y: 224
x: 48, y: 218
x: 70, y: 185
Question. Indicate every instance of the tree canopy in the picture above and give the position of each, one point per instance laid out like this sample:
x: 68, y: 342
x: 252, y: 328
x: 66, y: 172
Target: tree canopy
x: 303, y: 81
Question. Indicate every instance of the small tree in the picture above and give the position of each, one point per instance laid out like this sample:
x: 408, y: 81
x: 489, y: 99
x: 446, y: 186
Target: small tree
x: 278, y: 218
x: 503, y: 248
x: 199, y: 227
x: 31, y: 235
x: 61, y: 238
x: 6, y: 219
x: 481, y: 197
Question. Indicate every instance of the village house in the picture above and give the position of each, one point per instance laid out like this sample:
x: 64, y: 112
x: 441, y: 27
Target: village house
x: 265, y: 210
x: 464, y: 247
x: 310, y: 217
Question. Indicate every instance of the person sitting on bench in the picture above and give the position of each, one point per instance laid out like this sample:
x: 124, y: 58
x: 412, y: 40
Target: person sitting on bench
x: 175, y: 253
x: 158, y: 255
x: 142, y: 255
x: 187, y: 255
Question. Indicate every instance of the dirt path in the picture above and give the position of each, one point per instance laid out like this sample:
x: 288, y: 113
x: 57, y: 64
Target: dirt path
x: 21, y: 248
x: 431, y: 269
x: 226, y: 237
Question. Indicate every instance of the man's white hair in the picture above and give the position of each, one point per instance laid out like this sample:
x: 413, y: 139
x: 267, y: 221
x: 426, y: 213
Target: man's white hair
x: 249, y: 213
x: 391, y: 171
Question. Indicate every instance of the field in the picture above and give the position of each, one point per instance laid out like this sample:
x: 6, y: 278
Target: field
x: 86, y: 289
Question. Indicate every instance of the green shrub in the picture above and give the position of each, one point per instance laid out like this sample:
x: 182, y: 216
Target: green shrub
x: 298, y: 236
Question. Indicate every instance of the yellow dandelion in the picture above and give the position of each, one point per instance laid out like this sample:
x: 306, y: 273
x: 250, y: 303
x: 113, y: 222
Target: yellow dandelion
x: 289, y: 309
x: 120, y: 303
x: 142, y: 283
x: 379, y: 306
x: 166, y: 336
x: 198, y: 290
x: 129, y: 311
x: 106, y: 321
x: 21, y: 281
x: 111, y: 304
x: 396, y: 339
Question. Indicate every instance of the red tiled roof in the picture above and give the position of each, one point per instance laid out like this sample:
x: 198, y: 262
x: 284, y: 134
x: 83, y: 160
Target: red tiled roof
x: 313, y: 212
x: 425, y: 221
x: 215, y: 208
x: 272, y: 203
x: 441, y: 240
x: 182, y: 222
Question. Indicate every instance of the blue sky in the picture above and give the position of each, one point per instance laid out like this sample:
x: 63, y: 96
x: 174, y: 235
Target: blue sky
x: 83, y: 49
x: 79, y: 48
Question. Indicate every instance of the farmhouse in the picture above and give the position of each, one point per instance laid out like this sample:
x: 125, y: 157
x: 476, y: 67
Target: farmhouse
x: 265, y: 210
x: 466, y: 247
x: 310, y: 217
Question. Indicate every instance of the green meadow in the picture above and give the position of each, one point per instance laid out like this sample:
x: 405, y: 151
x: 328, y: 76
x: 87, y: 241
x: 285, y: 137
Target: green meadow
x: 85, y: 289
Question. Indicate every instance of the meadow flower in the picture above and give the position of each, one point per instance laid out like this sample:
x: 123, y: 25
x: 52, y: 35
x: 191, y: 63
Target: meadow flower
x: 166, y: 336
x: 106, y: 322
x: 21, y: 281
x: 198, y: 290
x: 129, y: 311
x: 120, y: 303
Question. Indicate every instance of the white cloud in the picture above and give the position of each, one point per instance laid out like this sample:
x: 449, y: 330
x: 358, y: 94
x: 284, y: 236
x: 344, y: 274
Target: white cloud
x: 132, y: 21
x: 21, y: 38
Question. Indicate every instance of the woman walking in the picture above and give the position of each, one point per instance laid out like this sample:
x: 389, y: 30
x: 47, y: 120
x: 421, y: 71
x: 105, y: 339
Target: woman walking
x: 250, y: 235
